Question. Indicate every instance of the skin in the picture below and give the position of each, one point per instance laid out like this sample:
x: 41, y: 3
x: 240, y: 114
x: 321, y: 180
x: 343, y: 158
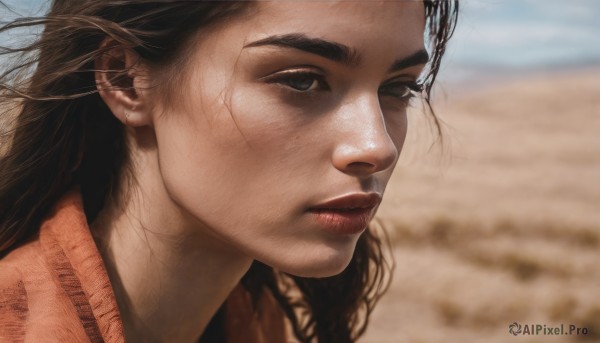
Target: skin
x: 226, y: 172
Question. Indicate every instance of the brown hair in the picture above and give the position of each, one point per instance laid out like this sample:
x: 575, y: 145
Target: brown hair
x: 63, y: 135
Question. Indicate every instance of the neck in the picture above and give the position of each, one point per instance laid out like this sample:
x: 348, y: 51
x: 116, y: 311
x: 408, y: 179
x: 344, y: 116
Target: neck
x: 169, y: 273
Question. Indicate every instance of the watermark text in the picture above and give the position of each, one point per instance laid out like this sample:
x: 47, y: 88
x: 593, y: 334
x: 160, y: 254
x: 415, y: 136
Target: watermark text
x: 546, y: 330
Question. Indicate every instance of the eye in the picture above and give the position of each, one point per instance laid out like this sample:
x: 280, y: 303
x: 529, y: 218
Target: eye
x: 300, y: 81
x: 404, y: 90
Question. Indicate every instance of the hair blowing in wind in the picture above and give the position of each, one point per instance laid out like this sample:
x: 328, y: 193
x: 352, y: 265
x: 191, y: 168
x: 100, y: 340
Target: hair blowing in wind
x: 57, y: 132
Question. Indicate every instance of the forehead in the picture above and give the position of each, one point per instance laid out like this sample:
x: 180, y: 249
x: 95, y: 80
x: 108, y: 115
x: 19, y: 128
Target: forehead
x: 343, y: 17
x: 366, y: 11
x: 367, y: 25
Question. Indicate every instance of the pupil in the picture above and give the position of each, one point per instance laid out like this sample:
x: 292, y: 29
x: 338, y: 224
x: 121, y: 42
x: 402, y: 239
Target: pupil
x: 302, y: 83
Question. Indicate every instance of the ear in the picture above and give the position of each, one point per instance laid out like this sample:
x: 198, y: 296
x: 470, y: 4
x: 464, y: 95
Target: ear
x: 123, y: 83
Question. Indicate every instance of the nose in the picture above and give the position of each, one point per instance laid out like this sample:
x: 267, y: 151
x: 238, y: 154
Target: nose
x: 364, y: 145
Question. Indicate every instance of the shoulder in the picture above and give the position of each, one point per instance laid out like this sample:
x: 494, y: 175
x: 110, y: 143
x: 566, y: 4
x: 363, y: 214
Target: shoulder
x: 18, y: 264
x: 14, y: 303
x: 33, y: 307
x: 12, y: 285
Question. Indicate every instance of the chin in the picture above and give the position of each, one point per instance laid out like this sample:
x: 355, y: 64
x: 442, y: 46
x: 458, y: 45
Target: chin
x: 326, y: 263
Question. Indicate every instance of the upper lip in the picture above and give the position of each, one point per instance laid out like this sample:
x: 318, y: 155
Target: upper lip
x: 351, y: 201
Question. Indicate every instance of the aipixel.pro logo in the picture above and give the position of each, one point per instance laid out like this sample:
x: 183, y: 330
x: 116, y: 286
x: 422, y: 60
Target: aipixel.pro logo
x: 546, y: 330
x: 514, y: 328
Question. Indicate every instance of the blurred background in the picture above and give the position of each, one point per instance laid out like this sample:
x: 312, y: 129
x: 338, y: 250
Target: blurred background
x: 500, y: 222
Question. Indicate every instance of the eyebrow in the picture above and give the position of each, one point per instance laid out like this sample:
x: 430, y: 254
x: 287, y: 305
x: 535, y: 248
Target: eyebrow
x: 334, y: 51
x: 417, y: 58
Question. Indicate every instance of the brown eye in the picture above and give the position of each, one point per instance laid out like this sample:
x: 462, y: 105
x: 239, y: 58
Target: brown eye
x: 301, y: 81
x: 401, y: 90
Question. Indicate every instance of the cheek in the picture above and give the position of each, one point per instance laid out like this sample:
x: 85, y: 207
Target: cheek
x: 399, y: 134
x: 197, y: 153
x: 274, y: 130
x: 245, y: 179
x: 396, y: 124
x: 242, y: 154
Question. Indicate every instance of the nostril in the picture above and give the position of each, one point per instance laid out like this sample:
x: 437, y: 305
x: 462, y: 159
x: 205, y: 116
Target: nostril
x: 361, y: 165
x: 361, y: 168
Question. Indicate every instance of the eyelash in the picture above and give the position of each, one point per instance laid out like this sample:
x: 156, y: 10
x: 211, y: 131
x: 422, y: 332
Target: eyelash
x: 411, y: 89
x: 285, y: 79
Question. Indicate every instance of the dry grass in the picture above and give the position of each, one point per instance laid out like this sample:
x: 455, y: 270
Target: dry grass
x: 505, y: 225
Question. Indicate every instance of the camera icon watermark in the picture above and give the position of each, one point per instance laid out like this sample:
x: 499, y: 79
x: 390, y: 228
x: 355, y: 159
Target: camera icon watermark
x: 546, y: 330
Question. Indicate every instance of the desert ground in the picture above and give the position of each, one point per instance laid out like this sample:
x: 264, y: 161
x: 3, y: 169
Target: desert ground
x: 501, y: 223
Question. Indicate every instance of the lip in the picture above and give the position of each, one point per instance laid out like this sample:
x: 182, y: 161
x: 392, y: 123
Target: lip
x: 346, y: 215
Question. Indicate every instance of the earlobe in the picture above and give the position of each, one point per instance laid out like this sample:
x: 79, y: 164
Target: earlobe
x: 121, y: 80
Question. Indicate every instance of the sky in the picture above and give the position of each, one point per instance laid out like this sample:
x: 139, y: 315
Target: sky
x: 527, y: 33
x: 516, y: 35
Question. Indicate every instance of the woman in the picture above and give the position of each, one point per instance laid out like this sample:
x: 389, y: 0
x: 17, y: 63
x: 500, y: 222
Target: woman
x: 191, y: 170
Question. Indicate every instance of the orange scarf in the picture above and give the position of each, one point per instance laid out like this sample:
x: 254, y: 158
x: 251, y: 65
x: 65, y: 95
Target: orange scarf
x: 55, y: 288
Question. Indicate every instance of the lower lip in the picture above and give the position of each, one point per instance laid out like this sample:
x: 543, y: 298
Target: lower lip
x: 343, y: 222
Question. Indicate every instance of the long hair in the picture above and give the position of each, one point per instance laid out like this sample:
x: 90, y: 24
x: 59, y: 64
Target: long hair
x: 56, y: 132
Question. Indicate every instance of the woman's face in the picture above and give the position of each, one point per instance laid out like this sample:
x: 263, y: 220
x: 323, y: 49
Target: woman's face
x: 284, y: 110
